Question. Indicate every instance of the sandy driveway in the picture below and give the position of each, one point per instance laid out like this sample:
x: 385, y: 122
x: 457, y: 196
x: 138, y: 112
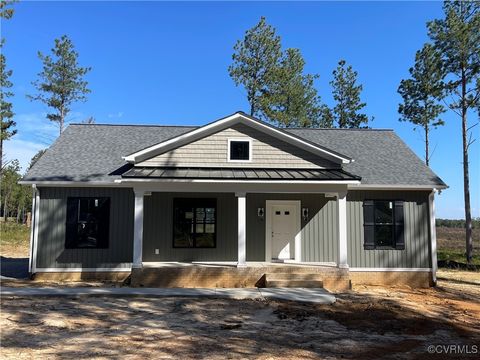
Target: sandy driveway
x: 367, y: 323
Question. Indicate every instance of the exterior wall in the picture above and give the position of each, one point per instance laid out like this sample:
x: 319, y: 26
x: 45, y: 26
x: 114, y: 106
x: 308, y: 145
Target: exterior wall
x: 158, y: 229
x: 417, y: 237
x: 51, y: 252
x: 267, y: 151
x: 319, y: 234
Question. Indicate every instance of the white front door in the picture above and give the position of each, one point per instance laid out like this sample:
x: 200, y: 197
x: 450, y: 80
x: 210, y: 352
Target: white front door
x: 284, y: 219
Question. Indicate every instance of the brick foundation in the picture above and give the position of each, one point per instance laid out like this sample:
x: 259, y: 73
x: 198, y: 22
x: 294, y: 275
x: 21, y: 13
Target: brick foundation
x: 333, y: 279
x: 116, y: 276
x: 416, y: 279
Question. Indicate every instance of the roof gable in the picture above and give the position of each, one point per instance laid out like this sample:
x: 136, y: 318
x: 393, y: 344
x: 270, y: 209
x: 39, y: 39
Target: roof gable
x: 229, y: 121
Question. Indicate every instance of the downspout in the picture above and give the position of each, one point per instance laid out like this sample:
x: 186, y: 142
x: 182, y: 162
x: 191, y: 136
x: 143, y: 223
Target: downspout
x: 433, y: 235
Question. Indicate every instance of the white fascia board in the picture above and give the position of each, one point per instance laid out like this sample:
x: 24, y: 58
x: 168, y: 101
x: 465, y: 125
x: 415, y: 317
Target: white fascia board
x: 113, y: 183
x: 208, y: 181
x: 224, y: 123
x: 394, y: 187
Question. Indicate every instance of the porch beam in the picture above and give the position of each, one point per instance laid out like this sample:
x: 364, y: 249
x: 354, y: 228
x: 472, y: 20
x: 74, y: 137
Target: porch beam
x: 138, y: 229
x: 342, y: 230
x: 242, y: 225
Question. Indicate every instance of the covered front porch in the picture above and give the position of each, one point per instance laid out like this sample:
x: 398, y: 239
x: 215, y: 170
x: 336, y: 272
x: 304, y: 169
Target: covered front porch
x: 260, y: 229
x: 253, y: 274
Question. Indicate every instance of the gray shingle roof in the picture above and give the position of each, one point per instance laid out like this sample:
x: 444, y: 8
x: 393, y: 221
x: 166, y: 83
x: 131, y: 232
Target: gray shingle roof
x: 94, y: 153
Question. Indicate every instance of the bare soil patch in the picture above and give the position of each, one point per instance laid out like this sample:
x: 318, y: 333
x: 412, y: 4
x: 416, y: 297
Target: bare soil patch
x: 365, y: 323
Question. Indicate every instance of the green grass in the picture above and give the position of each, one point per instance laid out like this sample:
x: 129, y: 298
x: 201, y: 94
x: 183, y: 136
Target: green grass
x: 456, y: 255
x: 14, y: 234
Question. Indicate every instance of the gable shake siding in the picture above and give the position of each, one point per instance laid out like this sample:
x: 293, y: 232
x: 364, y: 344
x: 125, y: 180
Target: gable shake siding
x: 211, y: 151
x: 51, y: 251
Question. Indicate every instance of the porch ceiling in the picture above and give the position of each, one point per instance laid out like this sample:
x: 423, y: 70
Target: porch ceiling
x: 186, y: 173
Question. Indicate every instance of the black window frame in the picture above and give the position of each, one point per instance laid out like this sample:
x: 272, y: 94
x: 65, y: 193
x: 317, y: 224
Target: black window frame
x: 98, y: 221
x: 195, y: 203
x: 370, y: 225
x: 232, y: 142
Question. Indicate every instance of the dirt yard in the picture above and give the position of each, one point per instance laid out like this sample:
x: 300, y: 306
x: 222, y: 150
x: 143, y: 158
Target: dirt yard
x: 366, y: 323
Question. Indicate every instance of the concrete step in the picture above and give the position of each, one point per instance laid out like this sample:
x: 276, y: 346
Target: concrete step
x: 296, y: 276
x: 293, y: 283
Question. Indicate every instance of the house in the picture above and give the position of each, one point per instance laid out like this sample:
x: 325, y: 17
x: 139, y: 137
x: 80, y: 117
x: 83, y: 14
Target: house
x: 236, y: 202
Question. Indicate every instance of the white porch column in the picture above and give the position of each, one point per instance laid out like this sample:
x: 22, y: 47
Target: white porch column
x: 433, y: 235
x: 242, y: 225
x: 138, y: 229
x: 342, y: 230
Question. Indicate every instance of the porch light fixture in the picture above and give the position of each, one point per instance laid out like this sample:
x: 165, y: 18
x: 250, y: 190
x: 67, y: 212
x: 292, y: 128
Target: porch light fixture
x: 305, y: 214
x: 261, y: 213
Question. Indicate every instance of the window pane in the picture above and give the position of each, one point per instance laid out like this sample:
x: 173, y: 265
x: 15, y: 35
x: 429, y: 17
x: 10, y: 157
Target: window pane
x: 383, y: 212
x: 384, y: 235
x: 194, y: 223
x: 200, y: 214
x: 210, y: 228
x: 88, y: 222
x: 205, y: 240
x: 183, y: 236
x: 239, y: 150
x: 199, y: 228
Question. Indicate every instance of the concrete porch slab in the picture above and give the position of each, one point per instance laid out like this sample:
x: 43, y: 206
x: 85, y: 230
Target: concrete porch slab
x: 317, y: 296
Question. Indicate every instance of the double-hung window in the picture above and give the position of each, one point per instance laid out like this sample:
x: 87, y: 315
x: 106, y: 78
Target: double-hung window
x: 194, y: 223
x: 88, y: 222
x: 383, y: 223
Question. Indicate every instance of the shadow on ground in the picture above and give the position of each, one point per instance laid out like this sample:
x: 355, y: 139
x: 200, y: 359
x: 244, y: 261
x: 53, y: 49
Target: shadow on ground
x: 16, y: 268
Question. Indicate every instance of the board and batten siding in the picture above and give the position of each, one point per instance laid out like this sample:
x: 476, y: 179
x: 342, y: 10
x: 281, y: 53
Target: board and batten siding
x: 212, y: 151
x: 417, y: 237
x: 318, y: 233
x: 51, y: 252
x: 158, y: 229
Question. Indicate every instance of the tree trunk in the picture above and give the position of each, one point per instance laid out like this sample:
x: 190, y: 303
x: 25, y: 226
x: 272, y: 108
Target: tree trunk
x: 466, y: 181
x: 1, y: 154
x: 427, y: 156
x: 5, y: 210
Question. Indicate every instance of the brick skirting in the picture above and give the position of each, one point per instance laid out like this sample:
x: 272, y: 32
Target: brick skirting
x: 416, y: 279
x: 333, y: 279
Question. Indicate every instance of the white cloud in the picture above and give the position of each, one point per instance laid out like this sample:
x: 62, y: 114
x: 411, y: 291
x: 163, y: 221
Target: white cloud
x: 115, y: 115
x: 22, y: 150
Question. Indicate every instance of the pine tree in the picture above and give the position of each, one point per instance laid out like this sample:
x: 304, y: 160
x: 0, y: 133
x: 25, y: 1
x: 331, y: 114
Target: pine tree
x: 7, y: 123
x: 346, y: 94
x: 254, y: 58
x: 61, y: 82
x: 422, y: 92
x: 6, y: 113
x: 291, y: 98
x: 457, y: 38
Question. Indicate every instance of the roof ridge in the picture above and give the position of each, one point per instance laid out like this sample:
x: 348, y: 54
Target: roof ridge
x: 197, y: 126
x: 139, y: 125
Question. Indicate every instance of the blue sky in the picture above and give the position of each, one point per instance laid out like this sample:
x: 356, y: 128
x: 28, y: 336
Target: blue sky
x: 166, y: 63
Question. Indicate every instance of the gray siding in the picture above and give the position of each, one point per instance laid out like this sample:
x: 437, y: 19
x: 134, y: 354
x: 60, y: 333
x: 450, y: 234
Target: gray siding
x: 319, y: 234
x: 267, y: 151
x: 417, y: 237
x: 158, y: 229
x: 51, y: 252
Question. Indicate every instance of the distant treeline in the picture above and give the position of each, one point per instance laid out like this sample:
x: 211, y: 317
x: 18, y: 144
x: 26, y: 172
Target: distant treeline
x: 457, y: 223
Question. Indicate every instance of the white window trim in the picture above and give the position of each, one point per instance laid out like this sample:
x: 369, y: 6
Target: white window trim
x: 249, y: 150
